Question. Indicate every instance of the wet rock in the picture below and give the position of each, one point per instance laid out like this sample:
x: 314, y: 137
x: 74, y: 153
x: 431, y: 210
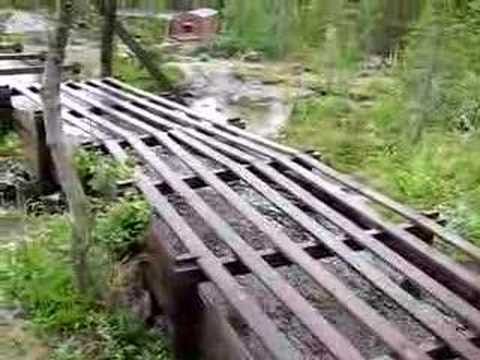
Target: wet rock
x: 252, y: 56
x: 374, y: 63
x: 204, y: 57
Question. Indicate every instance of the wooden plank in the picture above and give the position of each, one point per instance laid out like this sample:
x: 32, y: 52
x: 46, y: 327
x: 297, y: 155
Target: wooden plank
x: 458, y: 305
x: 25, y: 70
x: 324, y: 331
x: 436, y: 264
x: 442, y: 267
x: 22, y: 56
x: 207, y: 260
x: 432, y: 319
x: 310, y: 317
x: 452, y: 268
x: 400, y: 209
x: 361, y: 210
x: 187, y: 263
x: 189, y: 112
x: 233, y: 292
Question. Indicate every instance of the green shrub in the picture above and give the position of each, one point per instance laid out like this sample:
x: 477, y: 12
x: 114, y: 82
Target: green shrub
x: 116, y: 336
x: 101, y: 173
x: 38, y: 274
x: 10, y: 145
x: 121, y: 227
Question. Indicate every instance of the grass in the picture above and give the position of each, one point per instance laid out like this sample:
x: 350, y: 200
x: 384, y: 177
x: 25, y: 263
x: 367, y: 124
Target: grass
x: 130, y: 71
x: 37, y: 273
x: 441, y: 171
x: 100, y: 174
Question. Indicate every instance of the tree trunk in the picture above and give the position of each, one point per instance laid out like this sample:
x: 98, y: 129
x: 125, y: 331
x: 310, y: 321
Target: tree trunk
x: 135, y: 47
x: 71, y: 185
x: 108, y: 32
x: 143, y: 56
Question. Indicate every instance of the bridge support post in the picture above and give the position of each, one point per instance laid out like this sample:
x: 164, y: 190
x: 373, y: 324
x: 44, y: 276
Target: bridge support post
x: 31, y: 128
x: 198, y: 329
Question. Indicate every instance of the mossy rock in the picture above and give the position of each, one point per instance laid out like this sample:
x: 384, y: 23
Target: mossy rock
x: 175, y: 73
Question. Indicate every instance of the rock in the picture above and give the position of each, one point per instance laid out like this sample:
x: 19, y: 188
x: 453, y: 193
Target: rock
x: 204, y: 57
x: 252, y: 56
x: 374, y: 63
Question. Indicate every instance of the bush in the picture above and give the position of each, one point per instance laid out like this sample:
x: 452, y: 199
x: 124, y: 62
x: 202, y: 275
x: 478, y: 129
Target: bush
x: 38, y: 274
x: 121, y: 227
x: 9, y: 144
x: 101, y: 173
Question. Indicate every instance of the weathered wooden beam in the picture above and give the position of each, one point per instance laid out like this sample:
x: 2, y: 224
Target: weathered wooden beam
x: 23, y: 56
x: 31, y: 128
x: 26, y: 70
x: 186, y: 264
x: 143, y: 56
x: 196, y: 323
x: 135, y: 47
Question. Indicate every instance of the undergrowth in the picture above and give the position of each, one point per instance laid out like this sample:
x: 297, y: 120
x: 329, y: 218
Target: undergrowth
x: 99, y: 173
x: 129, y: 70
x: 372, y: 141
x: 9, y: 144
x: 37, y: 273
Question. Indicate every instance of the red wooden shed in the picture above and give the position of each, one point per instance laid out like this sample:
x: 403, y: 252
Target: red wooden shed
x: 195, y: 25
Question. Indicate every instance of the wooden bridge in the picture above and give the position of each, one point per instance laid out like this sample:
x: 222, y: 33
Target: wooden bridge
x: 260, y: 251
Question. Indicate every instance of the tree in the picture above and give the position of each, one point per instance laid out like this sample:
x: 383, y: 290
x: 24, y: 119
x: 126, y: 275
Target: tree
x: 109, y: 9
x: 65, y: 170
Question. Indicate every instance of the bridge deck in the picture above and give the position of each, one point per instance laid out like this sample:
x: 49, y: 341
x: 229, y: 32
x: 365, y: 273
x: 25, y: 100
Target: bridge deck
x: 283, y: 247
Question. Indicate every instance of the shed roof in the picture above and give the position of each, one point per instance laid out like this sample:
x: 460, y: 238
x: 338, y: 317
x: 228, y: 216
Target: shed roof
x: 204, y: 12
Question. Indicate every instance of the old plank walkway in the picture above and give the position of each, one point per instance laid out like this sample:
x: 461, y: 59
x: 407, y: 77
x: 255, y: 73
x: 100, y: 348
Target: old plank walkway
x: 233, y: 211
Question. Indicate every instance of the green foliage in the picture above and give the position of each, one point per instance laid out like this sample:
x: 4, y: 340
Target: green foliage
x: 10, y: 144
x: 441, y: 171
x: 100, y: 172
x: 149, y: 31
x: 38, y: 274
x: 115, y: 336
x: 121, y: 227
x: 412, y: 131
